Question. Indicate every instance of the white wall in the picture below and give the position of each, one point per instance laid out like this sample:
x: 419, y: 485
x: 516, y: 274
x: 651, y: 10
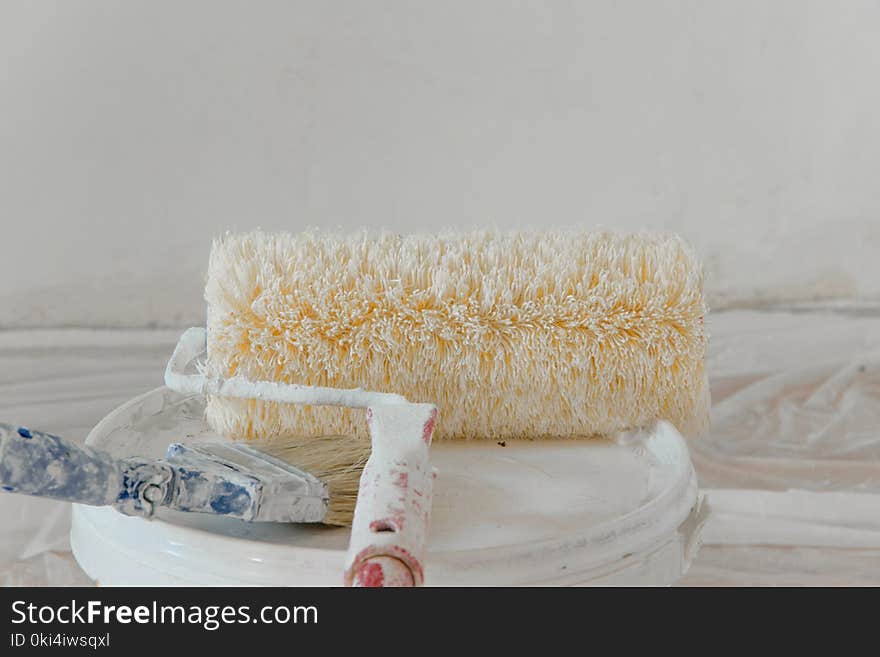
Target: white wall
x: 130, y: 133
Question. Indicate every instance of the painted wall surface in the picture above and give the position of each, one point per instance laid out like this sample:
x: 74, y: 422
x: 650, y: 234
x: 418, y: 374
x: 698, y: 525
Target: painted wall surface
x: 131, y: 133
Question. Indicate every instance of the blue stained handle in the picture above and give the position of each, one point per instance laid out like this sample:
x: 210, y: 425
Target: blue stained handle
x: 43, y: 465
x: 37, y: 463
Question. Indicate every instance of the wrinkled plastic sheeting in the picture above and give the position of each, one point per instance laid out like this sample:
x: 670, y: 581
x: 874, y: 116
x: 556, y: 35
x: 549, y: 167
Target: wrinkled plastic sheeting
x: 815, y: 428
x: 35, y: 543
x: 774, y: 565
x: 53, y: 568
x: 791, y: 465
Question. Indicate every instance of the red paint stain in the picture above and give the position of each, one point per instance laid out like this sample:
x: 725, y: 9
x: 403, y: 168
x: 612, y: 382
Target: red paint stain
x: 413, y: 565
x: 428, y: 430
x: 384, y: 525
x: 399, y: 519
x: 371, y: 575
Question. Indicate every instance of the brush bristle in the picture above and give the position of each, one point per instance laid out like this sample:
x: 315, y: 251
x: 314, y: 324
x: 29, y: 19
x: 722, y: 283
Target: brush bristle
x: 515, y: 335
x: 336, y: 460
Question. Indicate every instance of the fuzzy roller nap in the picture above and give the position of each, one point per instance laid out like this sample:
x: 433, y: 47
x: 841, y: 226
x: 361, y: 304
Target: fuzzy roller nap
x: 516, y: 335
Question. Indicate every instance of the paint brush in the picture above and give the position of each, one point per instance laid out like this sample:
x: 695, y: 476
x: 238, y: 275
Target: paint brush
x: 229, y: 479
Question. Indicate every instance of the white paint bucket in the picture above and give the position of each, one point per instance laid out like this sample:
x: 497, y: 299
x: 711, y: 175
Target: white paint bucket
x: 537, y: 513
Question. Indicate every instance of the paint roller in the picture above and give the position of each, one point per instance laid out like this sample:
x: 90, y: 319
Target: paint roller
x: 517, y: 335
x: 511, y: 335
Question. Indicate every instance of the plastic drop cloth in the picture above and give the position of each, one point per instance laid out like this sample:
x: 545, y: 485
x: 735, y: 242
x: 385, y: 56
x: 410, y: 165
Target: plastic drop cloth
x: 791, y: 466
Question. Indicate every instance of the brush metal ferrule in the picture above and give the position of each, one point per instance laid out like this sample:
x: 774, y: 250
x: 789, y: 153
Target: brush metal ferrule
x: 237, y: 480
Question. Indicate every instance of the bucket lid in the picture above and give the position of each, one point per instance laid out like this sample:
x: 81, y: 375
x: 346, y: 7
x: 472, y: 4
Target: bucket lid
x: 523, y: 512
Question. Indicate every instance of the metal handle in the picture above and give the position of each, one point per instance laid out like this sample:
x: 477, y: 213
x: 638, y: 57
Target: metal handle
x: 192, y: 346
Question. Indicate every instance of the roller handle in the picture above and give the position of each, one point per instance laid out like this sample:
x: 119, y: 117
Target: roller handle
x: 43, y: 465
x: 390, y: 524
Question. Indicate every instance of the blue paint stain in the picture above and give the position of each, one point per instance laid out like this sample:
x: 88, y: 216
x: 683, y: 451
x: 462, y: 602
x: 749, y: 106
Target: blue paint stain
x: 129, y: 489
x: 189, y: 475
x: 230, y: 499
x: 125, y: 493
x: 42, y: 465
